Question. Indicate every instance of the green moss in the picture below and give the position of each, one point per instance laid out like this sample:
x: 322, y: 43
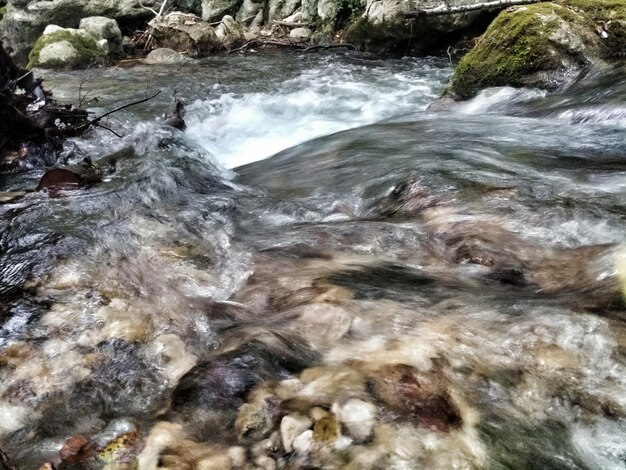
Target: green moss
x: 87, y: 47
x: 3, y: 10
x: 517, y: 46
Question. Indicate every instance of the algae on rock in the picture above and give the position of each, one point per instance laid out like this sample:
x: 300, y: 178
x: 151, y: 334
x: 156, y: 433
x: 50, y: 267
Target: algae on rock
x: 86, y: 50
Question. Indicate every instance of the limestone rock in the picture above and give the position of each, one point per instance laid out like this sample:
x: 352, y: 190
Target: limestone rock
x: 358, y: 417
x: 100, y: 28
x: 184, y: 32
x: 292, y: 426
x: 300, y: 33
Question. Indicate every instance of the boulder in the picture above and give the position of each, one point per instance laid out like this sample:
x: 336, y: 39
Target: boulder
x: 214, y: 10
x: 543, y: 45
x: 185, y: 32
x: 103, y: 28
x: 66, y: 48
x: 25, y: 21
x: 230, y: 33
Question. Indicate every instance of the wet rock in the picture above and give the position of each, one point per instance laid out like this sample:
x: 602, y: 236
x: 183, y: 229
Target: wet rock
x: 323, y: 385
x: 357, y: 416
x: 408, y: 197
x: 103, y: 28
x: 292, y: 426
x: 58, y: 179
x: 76, y: 449
x: 170, y: 355
x: 304, y: 443
x: 255, y: 419
x: 85, y: 173
x: 224, y: 381
x: 321, y: 325
x: 326, y: 430
x: 418, y: 397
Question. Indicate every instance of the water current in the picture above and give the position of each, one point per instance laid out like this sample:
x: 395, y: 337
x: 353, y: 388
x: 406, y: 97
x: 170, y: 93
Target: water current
x: 322, y: 271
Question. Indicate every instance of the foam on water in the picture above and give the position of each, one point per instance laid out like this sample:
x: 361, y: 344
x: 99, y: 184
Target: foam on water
x: 243, y: 128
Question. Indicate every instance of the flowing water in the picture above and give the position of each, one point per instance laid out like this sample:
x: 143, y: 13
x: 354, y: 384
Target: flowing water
x: 322, y: 272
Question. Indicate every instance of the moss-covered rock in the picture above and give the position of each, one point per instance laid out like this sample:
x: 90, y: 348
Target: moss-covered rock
x: 66, y: 48
x: 543, y: 45
x: 2, y: 12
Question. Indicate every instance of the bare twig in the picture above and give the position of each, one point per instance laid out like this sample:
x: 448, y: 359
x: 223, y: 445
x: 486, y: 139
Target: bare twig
x: 108, y: 129
x: 96, y: 120
x: 449, y: 56
x: 448, y: 10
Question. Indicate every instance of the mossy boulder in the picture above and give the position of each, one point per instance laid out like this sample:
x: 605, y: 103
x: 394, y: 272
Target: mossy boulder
x: 61, y: 48
x: 543, y: 45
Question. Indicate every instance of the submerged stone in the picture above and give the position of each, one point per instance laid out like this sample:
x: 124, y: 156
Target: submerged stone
x: 418, y: 397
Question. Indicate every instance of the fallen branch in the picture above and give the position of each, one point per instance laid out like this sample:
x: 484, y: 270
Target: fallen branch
x: 291, y: 25
x: 5, y: 463
x: 448, y: 10
x: 330, y: 46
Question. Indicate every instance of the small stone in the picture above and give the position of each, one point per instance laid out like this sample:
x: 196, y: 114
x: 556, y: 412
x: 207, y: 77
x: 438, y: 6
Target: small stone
x: 318, y: 413
x: 75, y: 450
x: 265, y: 463
x: 326, y: 430
x: 292, y: 426
x: 415, y: 396
x: 164, y: 55
x: 253, y: 421
x: 303, y: 443
x: 358, y: 417
x: 237, y: 456
x: 300, y: 33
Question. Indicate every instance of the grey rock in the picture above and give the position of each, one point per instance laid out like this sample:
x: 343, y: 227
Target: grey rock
x: 230, y: 33
x: 214, y: 10
x: 185, y: 32
x: 300, y: 33
x: 280, y: 9
x: 100, y: 28
x: 164, y: 55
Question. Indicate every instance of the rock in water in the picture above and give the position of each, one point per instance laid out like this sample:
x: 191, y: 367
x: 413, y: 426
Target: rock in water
x: 419, y: 397
x: 59, y: 178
